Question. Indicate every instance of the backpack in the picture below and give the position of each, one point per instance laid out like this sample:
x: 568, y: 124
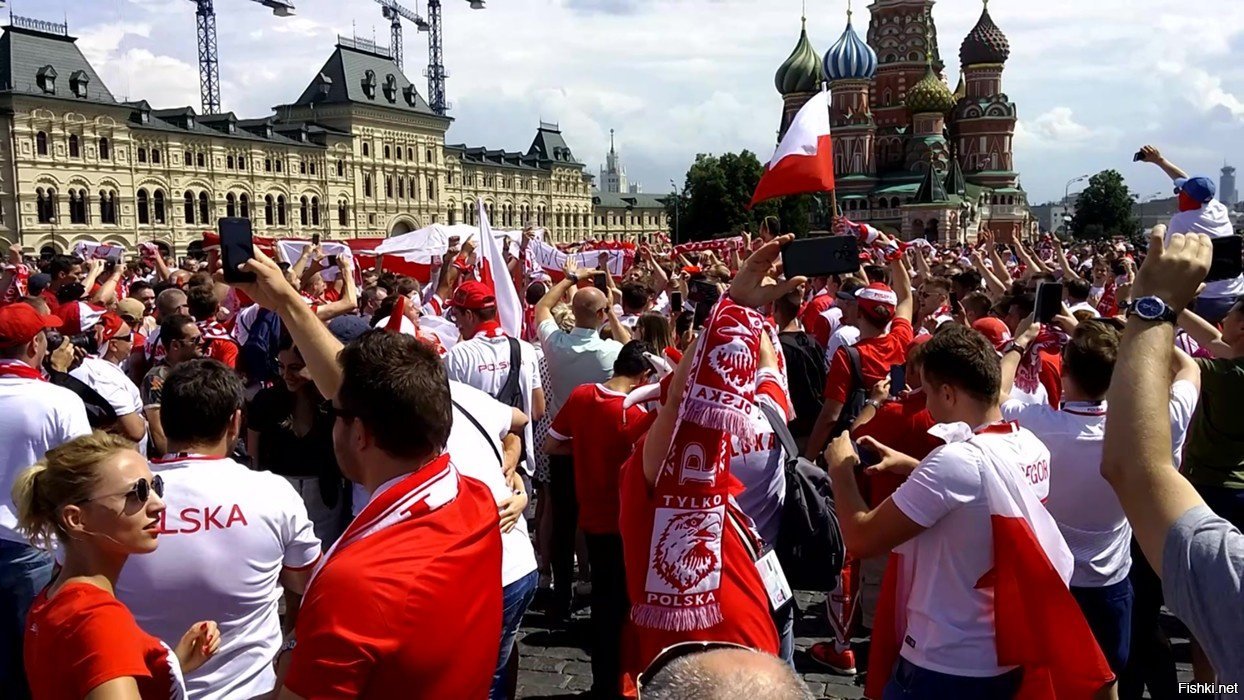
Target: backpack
x: 856, y: 395
x: 809, y: 546
x: 511, y: 393
x: 257, y: 356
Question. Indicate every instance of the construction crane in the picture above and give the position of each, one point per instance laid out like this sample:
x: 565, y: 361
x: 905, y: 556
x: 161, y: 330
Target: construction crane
x: 209, y: 62
x: 435, y: 71
x: 395, y: 13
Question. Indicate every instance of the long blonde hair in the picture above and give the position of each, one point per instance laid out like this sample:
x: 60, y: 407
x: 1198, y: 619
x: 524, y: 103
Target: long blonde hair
x: 67, y: 474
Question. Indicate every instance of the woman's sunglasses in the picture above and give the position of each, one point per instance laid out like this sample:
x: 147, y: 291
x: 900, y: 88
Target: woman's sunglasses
x: 140, y: 491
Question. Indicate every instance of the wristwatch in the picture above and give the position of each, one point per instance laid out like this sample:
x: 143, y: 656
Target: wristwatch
x: 574, y: 278
x: 874, y: 403
x: 1154, y: 309
x: 1014, y: 347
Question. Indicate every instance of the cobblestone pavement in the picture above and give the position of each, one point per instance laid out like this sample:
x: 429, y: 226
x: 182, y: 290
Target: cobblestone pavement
x: 554, y: 663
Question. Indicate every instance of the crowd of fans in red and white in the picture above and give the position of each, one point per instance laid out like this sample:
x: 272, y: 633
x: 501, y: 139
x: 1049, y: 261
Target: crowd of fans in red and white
x: 334, y: 482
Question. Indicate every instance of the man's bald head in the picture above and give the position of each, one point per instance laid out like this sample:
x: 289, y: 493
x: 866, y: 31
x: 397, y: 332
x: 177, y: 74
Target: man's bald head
x: 170, y: 301
x: 727, y: 674
x: 588, y: 304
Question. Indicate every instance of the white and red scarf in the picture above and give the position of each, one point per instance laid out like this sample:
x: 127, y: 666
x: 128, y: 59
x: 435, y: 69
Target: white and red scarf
x: 19, y: 370
x: 681, y: 591
x: 21, y: 282
x: 1108, y: 306
x: 215, y: 330
x: 1028, y: 374
x: 721, y: 245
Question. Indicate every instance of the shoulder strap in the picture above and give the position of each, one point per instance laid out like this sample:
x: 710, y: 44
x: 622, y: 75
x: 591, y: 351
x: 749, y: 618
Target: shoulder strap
x: 857, y: 371
x: 510, y: 391
x: 778, y: 424
x: 487, y: 438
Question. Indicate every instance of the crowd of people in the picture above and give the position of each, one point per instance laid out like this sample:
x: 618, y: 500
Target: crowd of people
x: 334, y: 482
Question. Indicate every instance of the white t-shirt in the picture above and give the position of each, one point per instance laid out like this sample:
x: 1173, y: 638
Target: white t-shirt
x: 759, y: 462
x: 1213, y: 220
x: 484, y: 363
x: 114, y: 386
x: 844, y: 335
x: 950, y: 627
x: 242, y: 323
x: 224, y: 538
x: 35, y: 416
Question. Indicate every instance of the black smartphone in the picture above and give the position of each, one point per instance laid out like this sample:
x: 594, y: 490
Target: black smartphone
x: 702, y: 310
x: 237, y: 245
x: 821, y: 256
x: 898, y: 379
x: 954, y: 301
x: 1049, y: 301
x: 315, y: 239
x: 676, y: 302
x: 1227, y: 263
x: 600, y: 280
x: 1140, y: 155
x: 703, y: 291
x: 330, y: 261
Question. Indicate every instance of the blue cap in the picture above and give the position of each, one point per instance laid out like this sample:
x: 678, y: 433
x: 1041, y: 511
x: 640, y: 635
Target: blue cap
x: 348, y: 328
x: 1200, y: 188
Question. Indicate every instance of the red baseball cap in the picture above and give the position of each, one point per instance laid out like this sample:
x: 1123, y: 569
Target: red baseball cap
x: 877, y: 301
x: 994, y: 329
x: 473, y: 295
x: 20, y: 323
x: 111, y: 324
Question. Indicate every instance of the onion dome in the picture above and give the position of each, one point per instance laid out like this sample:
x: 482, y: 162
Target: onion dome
x: 985, y: 43
x: 802, y: 70
x: 851, y: 58
x: 960, y: 91
x: 930, y: 95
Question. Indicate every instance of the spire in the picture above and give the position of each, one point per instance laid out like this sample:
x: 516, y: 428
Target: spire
x: 955, y: 183
x: 931, y: 189
x: 985, y: 43
x: 611, y: 151
x: 961, y: 90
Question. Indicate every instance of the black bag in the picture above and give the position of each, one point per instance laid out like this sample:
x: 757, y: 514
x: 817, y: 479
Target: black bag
x: 511, y: 393
x: 809, y: 544
x: 856, y: 397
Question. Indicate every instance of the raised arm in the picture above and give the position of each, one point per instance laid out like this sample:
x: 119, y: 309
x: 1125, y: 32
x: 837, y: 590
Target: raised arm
x: 349, y: 297
x: 1149, y: 154
x: 902, y: 288
x: 1205, y: 334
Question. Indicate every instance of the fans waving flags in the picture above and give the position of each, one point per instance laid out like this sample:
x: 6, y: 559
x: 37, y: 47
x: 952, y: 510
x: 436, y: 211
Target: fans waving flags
x: 494, y: 272
x: 804, y: 160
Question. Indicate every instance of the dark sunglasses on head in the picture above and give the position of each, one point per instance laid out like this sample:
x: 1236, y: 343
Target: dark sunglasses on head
x: 672, y: 653
x: 140, y: 491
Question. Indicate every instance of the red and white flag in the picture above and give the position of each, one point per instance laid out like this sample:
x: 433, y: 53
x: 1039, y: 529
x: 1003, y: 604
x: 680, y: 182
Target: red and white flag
x: 494, y: 272
x: 804, y: 160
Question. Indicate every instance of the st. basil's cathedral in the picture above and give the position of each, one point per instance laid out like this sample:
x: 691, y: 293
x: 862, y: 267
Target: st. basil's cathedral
x: 911, y: 156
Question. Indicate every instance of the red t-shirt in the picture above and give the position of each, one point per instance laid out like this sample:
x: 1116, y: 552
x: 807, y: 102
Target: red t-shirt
x: 744, y: 603
x: 1050, y: 374
x: 876, y: 357
x: 414, y: 609
x: 813, y: 318
x: 902, y: 425
x: 592, y: 420
x: 224, y: 350
x: 84, y: 637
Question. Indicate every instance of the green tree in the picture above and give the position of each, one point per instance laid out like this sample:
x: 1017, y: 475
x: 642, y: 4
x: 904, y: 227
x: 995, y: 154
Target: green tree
x: 717, y: 190
x: 1104, y: 209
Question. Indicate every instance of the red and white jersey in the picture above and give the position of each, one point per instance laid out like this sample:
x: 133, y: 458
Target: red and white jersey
x: 79, y: 316
x: 950, y: 627
x: 484, y: 363
x: 226, y: 535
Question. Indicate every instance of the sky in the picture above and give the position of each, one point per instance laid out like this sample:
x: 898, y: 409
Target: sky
x: 1093, y: 81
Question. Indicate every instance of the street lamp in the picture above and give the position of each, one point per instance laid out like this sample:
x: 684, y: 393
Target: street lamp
x: 677, y: 206
x: 1067, y: 189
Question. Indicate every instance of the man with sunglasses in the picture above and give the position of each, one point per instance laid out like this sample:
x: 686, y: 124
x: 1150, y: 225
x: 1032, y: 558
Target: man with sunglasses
x: 182, y: 341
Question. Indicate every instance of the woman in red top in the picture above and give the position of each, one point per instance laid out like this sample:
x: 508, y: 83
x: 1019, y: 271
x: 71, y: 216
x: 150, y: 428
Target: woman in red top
x: 97, y: 497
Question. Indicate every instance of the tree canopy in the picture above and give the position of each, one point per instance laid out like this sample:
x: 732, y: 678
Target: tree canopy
x: 716, y: 192
x: 1104, y: 209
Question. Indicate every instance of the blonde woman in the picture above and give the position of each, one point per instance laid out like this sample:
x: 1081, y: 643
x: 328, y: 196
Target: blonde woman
x: 96, y: 498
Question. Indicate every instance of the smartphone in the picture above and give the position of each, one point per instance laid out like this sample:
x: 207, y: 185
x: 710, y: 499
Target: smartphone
x: 898, y: 379
x: 600, y: 280
x: 1140, y: 155
x: 703, y: 291
x: 237, y: 245
x: 1049, y: 301
x: 315, y: 239
x: 954, y: 301
x: 702, y: 310
x: 676, y: 303
x: 821, y: 256
x: 1226, y: 263
x: 330, y: 261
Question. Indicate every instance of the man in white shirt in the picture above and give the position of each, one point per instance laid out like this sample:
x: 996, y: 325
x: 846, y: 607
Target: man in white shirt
x: 106, y: 378
x: 231, y: 539
x: 35, y: 416
x: 483, y: 358
x: 1081, y: 500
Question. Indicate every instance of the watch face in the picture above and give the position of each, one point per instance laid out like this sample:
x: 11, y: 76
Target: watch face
x: 1149, y: 307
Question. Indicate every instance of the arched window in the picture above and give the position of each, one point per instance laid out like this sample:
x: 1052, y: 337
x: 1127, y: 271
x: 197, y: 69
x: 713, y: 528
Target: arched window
x: 107, y: 207
x: 159, y: 206
x: 142, y: 155
x: 341, y: 168
x: 229, y: 162
x: 41, y: 144
x: 453, y: 214
x: 366, y: 149
x: 241, y: 162
x: 302, y: 166
x: 388, y: 186
x: 200, y: 160
x: 189, y: 159
x: 188, y: 207
x: 401, y: 188
x: 244, y: 206
x: 410, y: 154
x: 367, y: 185
x: 269, y: 210
x: 205, y: 211
x: 304, y: 211
x: 155, y: 156
x: 46, y: 205
x: 75, y: 146
x: 231, y: 205
x: 387, y: 153
x: 398, y: 152
x: 281, y: 211
x: 144, y: 207
x: 77, y: 206
x: 267, y: 165
x: 428, y: 155
x: 312, y: 167
x: 431, y: 188
x: 278, y: 165
x: 315, y: 211
x: 105, y: 149
x: 342, y: 213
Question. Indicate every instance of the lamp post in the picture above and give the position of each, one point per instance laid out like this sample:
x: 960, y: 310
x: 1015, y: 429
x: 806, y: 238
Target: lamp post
x: 677, y: 206
x: 1067, y: 189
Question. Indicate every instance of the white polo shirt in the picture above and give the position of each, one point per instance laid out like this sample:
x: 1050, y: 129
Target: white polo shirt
x: 35, y: 416
x: 111, y: 383
x: 950, y: 626
x: 484, y: 363
x: 225, y: 536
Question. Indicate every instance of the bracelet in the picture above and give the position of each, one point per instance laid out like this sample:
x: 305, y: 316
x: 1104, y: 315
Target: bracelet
x: 874, y: 403
x: 1014, y: 347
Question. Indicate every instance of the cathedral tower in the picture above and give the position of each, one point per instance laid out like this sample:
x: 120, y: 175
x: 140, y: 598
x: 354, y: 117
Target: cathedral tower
x: 985, y: 118
x: 850, y: 65
x: 798, y: 78
x: 903, y: 34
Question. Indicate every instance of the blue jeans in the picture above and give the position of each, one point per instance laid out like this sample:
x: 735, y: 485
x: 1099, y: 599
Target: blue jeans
x: 1108, y: 611
x: 910, y: 682
x: 784, y: 620
x: 24, y: 571
x: 514, y: 601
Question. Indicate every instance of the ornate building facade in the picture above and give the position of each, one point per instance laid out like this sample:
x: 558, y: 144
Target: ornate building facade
x: 620, y: 209
x: 910, y: 155
x: 359, y: 153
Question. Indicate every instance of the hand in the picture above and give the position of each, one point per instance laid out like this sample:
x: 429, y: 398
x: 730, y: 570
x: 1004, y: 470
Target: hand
x: 840, y: 453
x: 602, y: 261
x: 270, y: 289
x: 62, y: 358
x: 344, y: 264
x: 1067, y: 322
x: 511, y: 509
x: 94, y: 267
x: 197, y: 645
x: 317, y: 252
x: 1149, y: 154
x: 1174, y: 273
x: 753, y: 286
x: 1027, y: 331
x: 571, y: 266
x: 881, y: 390
x: 891, y: 461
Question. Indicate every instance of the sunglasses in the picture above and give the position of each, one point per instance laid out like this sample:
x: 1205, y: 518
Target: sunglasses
x: 123, y: 338
x: 674, y: 652
x: 140, y: 491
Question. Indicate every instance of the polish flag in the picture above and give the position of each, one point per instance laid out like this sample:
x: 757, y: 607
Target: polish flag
x: 804, y: 160
x: 496, y: 274
x: 1038, y: 624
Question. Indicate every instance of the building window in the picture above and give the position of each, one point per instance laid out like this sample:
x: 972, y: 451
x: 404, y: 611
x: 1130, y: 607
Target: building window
x: 431, y: 188
x: 189, y: 159
x: 367, y: 185
x: 77, y: 206
x: 244, y: 206
x: 278, y: 165
x: 158, y: 197
x: 142, y: 155
x: 410, y: 154
x: 341, y: 168
x: 231, y: 205
x: 304, y: 212
x: 401, y: 188
x: 315, y: 211
x: 75, y: 146
x: 107, y: 207
x: 428, y: 155
x: 281, y: 212
x: 229, y: 162
x: 205, y: 211
x: 366, y: 150
x: 398, y: 153
x: 387, y: 153
x: 241, y: 163
x: 267, y: 165
x: 144, y: 207
x: 46, y: 205
x: 105, y: 149
x: 388, y: 186
x: 268, y: 211
x: 200, y: 160
x: 453, y: 215
x: 188, y: 207
x: 342, y: 213
x: 302, y: 167
x: 155, y: 156
x: 41, y: 143
x: 312, y: 167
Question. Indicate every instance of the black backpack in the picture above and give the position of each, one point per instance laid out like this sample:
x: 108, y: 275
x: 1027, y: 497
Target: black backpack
x: 809, y: 545
x: 511, y: 393
x: 856, y: 396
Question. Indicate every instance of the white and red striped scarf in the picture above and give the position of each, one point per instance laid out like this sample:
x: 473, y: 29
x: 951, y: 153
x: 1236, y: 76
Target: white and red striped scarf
x: 720, y: 245
x: 1028, y: 375
x: 21, y: 281
x: 214, y: 330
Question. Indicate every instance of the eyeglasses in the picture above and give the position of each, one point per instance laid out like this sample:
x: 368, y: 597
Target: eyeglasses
x: 335, y: 412
x: 140, y: 491
x: 674, y: 652
x: 124, y: 338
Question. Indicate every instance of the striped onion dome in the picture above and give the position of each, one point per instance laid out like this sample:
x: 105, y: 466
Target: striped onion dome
x: 851, y: 58
x: 930, y: 95
x: 802, y: 70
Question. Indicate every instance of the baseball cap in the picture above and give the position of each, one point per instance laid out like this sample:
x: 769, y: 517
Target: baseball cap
x: 473, y: 295
x: 37, y: 283
x: 877, y: 302
x: 131, y: 310
x: 846, y: 292
x: 347, y: 329
x: 19, y: 323
x: 111, y: 324
x: 1200, y: 188
x: 994, y: 329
